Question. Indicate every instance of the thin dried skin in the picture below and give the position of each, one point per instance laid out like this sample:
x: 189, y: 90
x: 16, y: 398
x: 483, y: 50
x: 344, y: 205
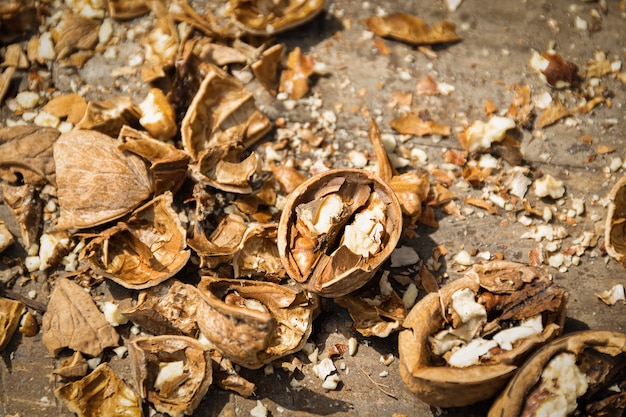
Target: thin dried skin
x: 249, y: 337
x: 10, y: 315
x: 146, y: 250
x: 127, y: 9
x: 266, y: 17
x: 615, y: 227
x: 266, y: 69
x: 508, y: 289
x: 321, y: 263
x: 74, y: 32
x: 109, y: 116
x: 169, y: 308
x: 222, y: 113
x: 73, y: 321
x: 412, y: 124
x: 223, y: 242
x: 611, y: 345
x: 101, y: 393
x: 26, y: 154
x: 258, y: 254
x: 380, y: 317
x: 96, y: 182
x: 176, y: 397
x: 294, y: 80
x: 412, y: 29
x: 168, y: 165
x: 27, y: 208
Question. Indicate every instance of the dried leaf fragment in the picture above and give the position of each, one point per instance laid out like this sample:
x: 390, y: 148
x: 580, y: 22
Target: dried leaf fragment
x: 172, y: 372
x: 10, y: 314
x: 147, y: 249
x: 72, y: 320
x: 96, y: 182
x: 100, y: 393
x: 260, y: 17
x: 412, y: 124
x: 412, y: 29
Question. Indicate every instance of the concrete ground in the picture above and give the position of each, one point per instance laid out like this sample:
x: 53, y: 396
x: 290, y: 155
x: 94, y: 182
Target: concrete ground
x: 361, y: 76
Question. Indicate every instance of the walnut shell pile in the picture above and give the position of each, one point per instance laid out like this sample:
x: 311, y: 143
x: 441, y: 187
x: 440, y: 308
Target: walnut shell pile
x: 337, y: 229
x: 510, y: 292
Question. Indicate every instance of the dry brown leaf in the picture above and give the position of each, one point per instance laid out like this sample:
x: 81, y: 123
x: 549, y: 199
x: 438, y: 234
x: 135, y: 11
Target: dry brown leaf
x: 267, y: 68
x: 26, y: 154
x: 222, y: 113
x: 252, y: 323
x: 412, y: 124
x: 168, y: 165
x: 178, y: 391
x: 73, y: 321
x: 10, y: 315
x: 260, y: 17
x: 294, y: 80
x: 96, y: 182
x: 27, y: 208
x: 412, y: 29
x: 552, y: 114
x: 147, y: 249
x: 101, y: 393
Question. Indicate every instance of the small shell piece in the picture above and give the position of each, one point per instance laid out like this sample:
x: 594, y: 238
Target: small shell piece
x: 269, y: 18
x: 172, y: 372
x: 510, y: 293
x: 101, y: 393
x: 599, y: 355
x: 336, y: 230
x: 615, y: 228
x: 253, y: 323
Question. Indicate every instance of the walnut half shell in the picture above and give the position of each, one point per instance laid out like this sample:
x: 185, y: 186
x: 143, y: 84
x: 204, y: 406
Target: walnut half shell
x: 599, y: 355
x: 336, y: 230
x: 510, y: 293
x: 615, y: 229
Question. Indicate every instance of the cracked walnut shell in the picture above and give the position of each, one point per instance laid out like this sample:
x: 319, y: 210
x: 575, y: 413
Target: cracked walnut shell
x: 336, y: 230
x: 615, y: 229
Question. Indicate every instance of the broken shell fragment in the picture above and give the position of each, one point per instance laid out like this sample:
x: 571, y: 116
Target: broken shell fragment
x: 412, y: 29
x: 10, y: 314
x: 615, y: 228
x: 336, y: 230
x: 253, y: 323
x: 144, y: 251
x: 101, y: 393
x: 554, y: 69
x: 462, y: 344
x: 172, y: 372
x: 581, y: 373
x: 264, y: 18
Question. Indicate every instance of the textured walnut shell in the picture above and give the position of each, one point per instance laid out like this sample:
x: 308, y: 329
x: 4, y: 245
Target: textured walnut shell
x: 615, y: 229
x: 334, y: 270
x: 250, y: 337
x: 445, y: 386
x: 256, y: 18
x: 146, y: 250
x: 512, y: 400
x: 184, y: 394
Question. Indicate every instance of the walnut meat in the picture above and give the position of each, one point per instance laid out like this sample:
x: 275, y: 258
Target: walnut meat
x: 337, y: 229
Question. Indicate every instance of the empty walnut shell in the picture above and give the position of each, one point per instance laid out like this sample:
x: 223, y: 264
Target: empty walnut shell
x: 172, y: 372
x: 269, y: 18
x: 615, y: 229
x: 336, y: 230
x: 253, y: 323
x: 600, y: 355
x: 510, y: 292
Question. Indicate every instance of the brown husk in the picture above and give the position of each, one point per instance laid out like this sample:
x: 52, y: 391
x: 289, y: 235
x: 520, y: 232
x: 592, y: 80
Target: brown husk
x: 521, y: 291
x: 249, y: 337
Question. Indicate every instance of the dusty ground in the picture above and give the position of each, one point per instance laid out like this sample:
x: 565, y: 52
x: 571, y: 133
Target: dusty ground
x: 498, y: 39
